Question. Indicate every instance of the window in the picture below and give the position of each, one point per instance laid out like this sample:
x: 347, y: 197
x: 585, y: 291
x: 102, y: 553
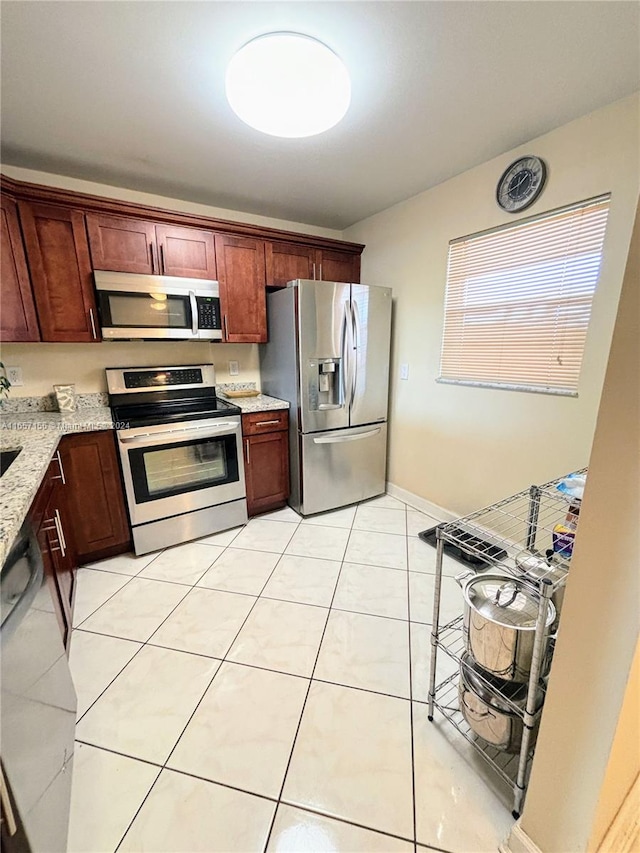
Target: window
x: 519, y: 300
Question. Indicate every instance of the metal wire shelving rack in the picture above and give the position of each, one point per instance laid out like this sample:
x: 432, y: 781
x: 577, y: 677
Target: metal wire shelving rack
x: 496, y: 535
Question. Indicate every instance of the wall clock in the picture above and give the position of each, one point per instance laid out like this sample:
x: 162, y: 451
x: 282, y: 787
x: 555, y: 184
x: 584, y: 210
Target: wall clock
x: 521, y: 184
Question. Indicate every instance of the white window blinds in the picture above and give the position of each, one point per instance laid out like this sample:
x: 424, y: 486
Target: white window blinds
x: 519, y: 300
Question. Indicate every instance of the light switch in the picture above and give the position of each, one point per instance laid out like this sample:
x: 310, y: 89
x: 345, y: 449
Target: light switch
x: 233, y: 368
x: 404, y: 371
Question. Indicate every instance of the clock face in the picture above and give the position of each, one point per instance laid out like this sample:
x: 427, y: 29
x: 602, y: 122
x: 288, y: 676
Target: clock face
x: 521, y: 184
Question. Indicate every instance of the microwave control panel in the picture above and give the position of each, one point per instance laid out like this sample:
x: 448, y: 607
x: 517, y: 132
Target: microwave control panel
x: 208, y: 312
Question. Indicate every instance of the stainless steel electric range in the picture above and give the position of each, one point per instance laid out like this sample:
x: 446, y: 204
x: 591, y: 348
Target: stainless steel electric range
x: 180, y: 448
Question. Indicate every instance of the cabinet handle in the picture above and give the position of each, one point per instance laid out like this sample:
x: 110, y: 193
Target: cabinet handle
x: 320, y: 276
x: 314, y: 270
x: 266, y: 423
x: 60, y: 531
x: 59, y: 476
x: 224, y: 326
x: 162, y: 266
x: 7, y: 811
x: 153, y: 257
x: 246, y: 444
x: 93, y: 325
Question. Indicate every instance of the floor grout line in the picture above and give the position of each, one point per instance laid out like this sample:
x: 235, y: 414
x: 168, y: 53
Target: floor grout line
x: 311, y: 679
x: 164, y: 766
x: 304, y: 704
x: 413, y: 757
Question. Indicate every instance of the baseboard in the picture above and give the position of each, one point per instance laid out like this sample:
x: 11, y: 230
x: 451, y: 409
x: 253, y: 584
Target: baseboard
x: 518, y: 842
x: 421, y: 504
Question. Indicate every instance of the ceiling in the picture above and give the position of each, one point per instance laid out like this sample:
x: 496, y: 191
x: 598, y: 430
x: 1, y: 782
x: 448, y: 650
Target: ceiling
x: 132, y: 94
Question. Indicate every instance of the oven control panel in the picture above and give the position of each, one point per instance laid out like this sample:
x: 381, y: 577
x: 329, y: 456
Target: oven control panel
x: 163, y: 378
x: 134, y: 380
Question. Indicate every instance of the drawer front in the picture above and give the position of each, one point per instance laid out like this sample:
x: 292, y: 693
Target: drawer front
x: 256, y: 423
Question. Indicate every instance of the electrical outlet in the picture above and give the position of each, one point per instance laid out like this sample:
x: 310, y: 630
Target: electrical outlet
x: 234, y: 368
x: 14, y: 375
x: 404, y: 371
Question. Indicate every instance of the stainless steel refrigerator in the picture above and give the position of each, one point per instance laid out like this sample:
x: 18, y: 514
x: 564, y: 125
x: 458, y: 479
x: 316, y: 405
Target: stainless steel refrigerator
x: 328, y: 356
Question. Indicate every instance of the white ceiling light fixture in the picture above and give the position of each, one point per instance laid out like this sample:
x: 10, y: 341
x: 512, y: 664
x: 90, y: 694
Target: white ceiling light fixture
x: 288, y: 85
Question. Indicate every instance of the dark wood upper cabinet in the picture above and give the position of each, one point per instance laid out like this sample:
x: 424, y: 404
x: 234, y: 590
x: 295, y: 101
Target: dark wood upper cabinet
x: 287, y: 262
x: 122, y: 245
x: 96, y: 496
x: 334, y: 265
x: 67, y: 235
x: 186, y: 252
x: 61, y: 276
x: 18, y: 320
x: 241, y: 273
x: 133, y: 245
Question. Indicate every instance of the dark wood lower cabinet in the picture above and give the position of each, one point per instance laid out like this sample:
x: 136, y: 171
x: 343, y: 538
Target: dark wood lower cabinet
x: 52, y: 522
x: 266, y: 463
x: 79, y: 515
x: 96, y: 496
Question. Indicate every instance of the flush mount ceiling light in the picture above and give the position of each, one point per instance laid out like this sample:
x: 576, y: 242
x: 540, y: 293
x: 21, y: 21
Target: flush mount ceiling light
x: 289, y: 85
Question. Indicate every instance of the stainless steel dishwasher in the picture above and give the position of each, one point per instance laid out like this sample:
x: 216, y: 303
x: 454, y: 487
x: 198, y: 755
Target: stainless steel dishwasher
x: 38, y: 712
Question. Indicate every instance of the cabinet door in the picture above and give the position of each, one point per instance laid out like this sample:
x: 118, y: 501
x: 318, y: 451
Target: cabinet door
x: 58, y: 257
x: 266, y: 465
x: 95, y: 497
x: 19, y: 322
x: 186, y: 252
x: 122, y: 245
x: 287, y: 262
x: 49, y: 515
x: 337, y: 266
x: 241, y: 274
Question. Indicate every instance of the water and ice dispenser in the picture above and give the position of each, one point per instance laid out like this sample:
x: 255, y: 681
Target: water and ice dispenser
x: 325, y: 383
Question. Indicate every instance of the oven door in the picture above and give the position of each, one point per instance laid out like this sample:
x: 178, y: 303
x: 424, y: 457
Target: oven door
x: 172, y: 470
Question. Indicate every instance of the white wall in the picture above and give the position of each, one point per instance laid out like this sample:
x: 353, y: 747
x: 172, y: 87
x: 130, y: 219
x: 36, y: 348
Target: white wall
x: 463, y: 447
x: 44, y: 365
x: 123, y: 194
x: 600, y: 617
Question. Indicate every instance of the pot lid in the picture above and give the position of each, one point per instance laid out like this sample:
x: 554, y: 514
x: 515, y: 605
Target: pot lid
x: 501, y: 695
x: 507, y: 602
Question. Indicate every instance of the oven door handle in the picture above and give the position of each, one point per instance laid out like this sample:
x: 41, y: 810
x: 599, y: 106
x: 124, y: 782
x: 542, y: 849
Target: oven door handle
x: 147, y: 437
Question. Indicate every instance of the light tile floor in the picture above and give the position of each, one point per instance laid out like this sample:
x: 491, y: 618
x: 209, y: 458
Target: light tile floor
x: 264, y: 689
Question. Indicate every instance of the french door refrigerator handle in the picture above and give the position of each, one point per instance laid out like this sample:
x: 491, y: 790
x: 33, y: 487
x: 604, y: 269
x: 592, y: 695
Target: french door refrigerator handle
x: 339, y: 439
x: 345, y: 351
x: 355, y: 324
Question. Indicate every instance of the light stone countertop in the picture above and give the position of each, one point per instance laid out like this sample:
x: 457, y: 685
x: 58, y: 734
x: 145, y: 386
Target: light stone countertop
x: 38, y: 434
x: 261, y: 403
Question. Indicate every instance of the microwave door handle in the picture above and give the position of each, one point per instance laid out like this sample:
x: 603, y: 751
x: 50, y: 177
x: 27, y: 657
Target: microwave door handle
x: 194, y: 313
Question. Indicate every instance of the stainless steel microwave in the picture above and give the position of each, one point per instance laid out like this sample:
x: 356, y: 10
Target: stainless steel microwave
x: 157, y: 307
